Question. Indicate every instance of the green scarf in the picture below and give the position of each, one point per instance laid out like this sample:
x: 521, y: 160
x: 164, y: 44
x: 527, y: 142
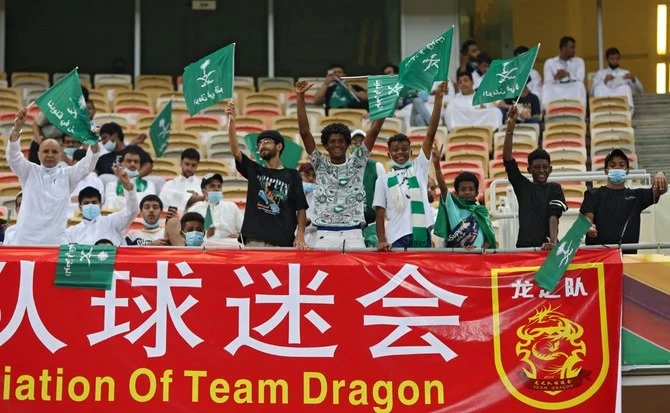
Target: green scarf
x: 480, y: 212
x: 140, y: 185
x: 369, y: 180
x: 398, y: 201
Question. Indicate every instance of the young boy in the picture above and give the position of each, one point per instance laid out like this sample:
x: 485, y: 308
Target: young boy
x: 189, y: 231
x: 151, y: 232
x: 541, y: 203
x: 402, y: 194
x: 339, y: 200
x: 226, y: 217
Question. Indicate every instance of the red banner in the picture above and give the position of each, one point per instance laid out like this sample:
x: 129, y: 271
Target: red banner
x: 259, y: 331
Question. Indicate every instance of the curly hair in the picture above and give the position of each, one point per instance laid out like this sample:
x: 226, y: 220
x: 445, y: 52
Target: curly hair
x: 335, y: 128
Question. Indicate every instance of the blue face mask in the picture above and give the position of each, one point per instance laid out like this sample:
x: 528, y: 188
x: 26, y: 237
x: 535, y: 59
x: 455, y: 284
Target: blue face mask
x: 215, y: 197
x: 401, y: 166
x: 308, y: 187
x: 194, y: 238
x: 424, y: 96
x: 109, y: 146
x: 90, y: 211
x: 69, y: 152
x: 132, y: 174
x: 616, y: 176
x: 151, y: 226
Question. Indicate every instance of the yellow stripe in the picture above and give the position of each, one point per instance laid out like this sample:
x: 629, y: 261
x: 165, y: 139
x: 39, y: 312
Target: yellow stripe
x: 652, y: 270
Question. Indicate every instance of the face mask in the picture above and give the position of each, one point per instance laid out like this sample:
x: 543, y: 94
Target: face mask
x: 431, y: 198
x: 90, y: 211
x: 194, y: 238
x: 215, y: 197
x: 616, y: 176
x: 132, y: 174
x: 424, y: 96
x: 109, y: 146
x: 151, y: 226
x: 69, y: 152
x: 401, y: 166
x: 308, y: 187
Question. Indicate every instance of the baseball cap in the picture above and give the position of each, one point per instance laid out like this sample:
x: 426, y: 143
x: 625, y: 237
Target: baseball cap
x: 209, y: 178
x: 620, y: 154
x: 358, y: 132
x: 272, y: 134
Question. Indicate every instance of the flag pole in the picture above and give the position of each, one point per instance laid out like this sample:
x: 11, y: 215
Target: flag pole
x: 353, y: 77
x: 531, y: 68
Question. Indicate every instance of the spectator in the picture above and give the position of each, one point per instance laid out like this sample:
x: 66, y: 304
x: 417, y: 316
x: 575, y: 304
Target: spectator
x: 90, y: 180
x: 541, y: 203
x: 469, y: 53
x: 90, y: 105
x: 335, y: 93
x: 114, y: 191
x: 189, y: 231
x: 151, y: 233
x: 184, y: 190
x: 112, y: 140
x: 483, y: 62
x: 340, y: 196
x: 564, y: 74
x: 226, y: 217
x: 94, y: 226
x: 535, y: 84
x: 10, y: 229
x: 460, y: 111
x: 528, y: 106
x: 613, y: 209
x: 615, y: 81
x: 46, y: 188
x: 461, y: 222
x: 308, y: 177
x: 402, y: 194
x: 390, y: 69
x: 70, y: 145
x: 276, y: 203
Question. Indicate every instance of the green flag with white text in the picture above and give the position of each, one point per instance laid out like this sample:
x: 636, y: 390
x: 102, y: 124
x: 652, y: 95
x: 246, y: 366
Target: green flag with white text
x: 209, y: 80
x: 289, y: 158
x: 208, y: 218
x: 428, y: 65
x: 85, y: 266
x: 64, y: 106
x: 159, y: 131
x: 383, y: 94
x: 505, y: 79
x: 553, y: 268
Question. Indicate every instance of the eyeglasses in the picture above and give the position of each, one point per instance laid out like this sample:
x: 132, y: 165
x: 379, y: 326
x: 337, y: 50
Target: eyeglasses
x: 265, y: 141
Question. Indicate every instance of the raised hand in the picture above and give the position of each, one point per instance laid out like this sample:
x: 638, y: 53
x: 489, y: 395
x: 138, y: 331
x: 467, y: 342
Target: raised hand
x: 511, y: 117
x: 230, y: 109
x: 436, y: 157
x: 302, y: 86
x: 443, y: 88
x: 122, y: 175
x: 19, y: 121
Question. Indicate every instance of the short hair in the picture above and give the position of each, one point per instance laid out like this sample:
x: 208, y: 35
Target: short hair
x: 538, y: 154
x: 151, y: 197
x: 79, y: 154
x: 466, y: 176
x: 335, y: 128
x: 190, y: 153
x: 192, y: 216
x: 466, y: 45
x: 612, y: 51
x: 132, y: 150
x: 464, y: 73
x: 89, y: 192
x: 398, y: 137
x: 334, y: 65
x: 104, y: 241
x: 520, y: 50
x: 85, y: 93
x: 565, y: 40
x: 392, y: 66
x: 112, y: 128
x: 484, y: 58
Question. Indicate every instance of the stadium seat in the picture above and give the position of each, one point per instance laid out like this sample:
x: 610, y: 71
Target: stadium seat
x: 327, y: 120
x: 567, y: 156
x: 123, y: 120
x: 143, y: 82
x: 132, y: 97
x: 30, y: 78
x: 111, y: 79
x: 111, y: 89
x: 564, y: 143
x: 520, y: 140
x: 213, y: 166
x: 354, y: 115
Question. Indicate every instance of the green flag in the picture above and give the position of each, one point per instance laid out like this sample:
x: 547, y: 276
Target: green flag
x: 209, y: 80
x: 289, y: 158
x: 553, y: 268
x: 64, y: 106
x: 383, y: 94
x: 159, y: 131
x: 505, y: 79
x: 85, y: 266
x: 428, y: 65
x: 341, y: 97
x: 208, y: 218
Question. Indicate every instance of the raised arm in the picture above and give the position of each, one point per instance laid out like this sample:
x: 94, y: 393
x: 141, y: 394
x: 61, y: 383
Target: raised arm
x: 372, y: 133
x: 509, y: 134
x: 232, y: 134
x: 85, y: 166
x: 17, y: 162
x: 303, y: 122
x: 427, y: 146
x: 441, y: 183
x: 122, y: 219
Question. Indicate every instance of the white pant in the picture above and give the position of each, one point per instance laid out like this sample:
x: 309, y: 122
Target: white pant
x: 334, y: 239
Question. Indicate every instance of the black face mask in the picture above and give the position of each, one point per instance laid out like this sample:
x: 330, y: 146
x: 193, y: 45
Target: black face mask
x: 430, y: 198
x: 613, y: 67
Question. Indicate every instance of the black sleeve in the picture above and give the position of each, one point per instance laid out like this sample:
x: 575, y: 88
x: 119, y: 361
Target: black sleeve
x: 646, y: 197
x: 243, y: 166
x: 358, y: 88
x: 590, y: 202
x: 514, y: 174
x: 535, y: 108
x: 556, y: 205
x: 144, y: 156
x: 300, y: 199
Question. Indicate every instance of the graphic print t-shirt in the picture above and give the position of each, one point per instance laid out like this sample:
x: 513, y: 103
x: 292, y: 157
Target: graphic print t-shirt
x: 273, y: 198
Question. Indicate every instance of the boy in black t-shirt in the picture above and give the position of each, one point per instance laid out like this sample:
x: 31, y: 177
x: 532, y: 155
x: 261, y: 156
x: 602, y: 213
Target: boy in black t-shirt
x: 276, y: 202
x: 613, y: 209
x: 541, y: 203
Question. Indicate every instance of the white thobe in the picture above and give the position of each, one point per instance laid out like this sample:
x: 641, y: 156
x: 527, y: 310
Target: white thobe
x: 46, y: 194
x: 179, y: 190
x: 535, y: 84
x: 114, y: 201
x: 226, y: 218
x: 90, y: 180
x: 617, y: 86
x: 460, y: 112
x: 477, y: 79
x: 571, y: 87
x: 111, y: 227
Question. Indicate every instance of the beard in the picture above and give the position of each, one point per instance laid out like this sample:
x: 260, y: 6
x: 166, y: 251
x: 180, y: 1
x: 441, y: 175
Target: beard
x: 269, y: 154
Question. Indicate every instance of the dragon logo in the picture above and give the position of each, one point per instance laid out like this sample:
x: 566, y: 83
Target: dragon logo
x: 551, y: 347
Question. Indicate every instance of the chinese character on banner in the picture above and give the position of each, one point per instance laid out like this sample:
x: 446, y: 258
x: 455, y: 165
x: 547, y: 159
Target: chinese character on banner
x: 404, y: 324
x: 26, y: 305
x: 110, y: 303
x: 289, y: 307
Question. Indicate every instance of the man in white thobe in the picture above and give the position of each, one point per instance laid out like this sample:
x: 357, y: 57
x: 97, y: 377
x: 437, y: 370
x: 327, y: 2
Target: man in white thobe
x: 114, y: 191
x: 460, y: 111
x: 184, y: 190
x: 564, y: 75
x: 46, y: 188
x: 90, y: 180
x: 615, y: 81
